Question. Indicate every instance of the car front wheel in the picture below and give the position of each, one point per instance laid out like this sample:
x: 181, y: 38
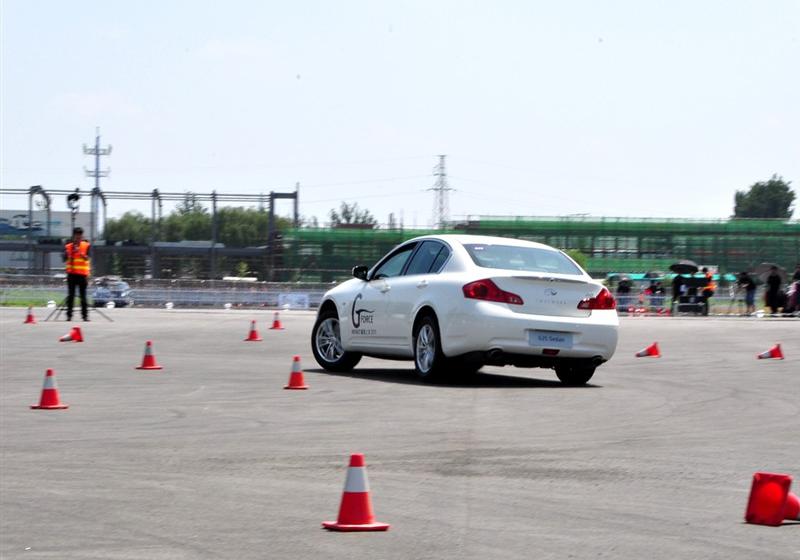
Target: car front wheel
x: 326, y: 344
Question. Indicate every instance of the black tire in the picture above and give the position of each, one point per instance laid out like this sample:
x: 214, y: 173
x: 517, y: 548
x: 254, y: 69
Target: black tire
x: 326, y: 344
x: 430, y: 363
x: 575, y: 375
x: 461, y: 367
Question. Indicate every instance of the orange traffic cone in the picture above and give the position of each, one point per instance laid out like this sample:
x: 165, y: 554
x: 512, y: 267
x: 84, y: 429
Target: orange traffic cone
x: 149, y: 360
x: 50, y: 399
x: 770, y: 501
x: 355, y: 511
x: 296, y: 380
x: 649, y: 352
x: 74, y: 335
x: 276, y: 322
x: 253, y: 335
x: 30, y: 319
x: 773, y: 353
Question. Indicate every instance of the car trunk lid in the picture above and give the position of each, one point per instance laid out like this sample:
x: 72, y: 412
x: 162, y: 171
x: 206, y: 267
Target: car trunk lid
x: 554, y: 295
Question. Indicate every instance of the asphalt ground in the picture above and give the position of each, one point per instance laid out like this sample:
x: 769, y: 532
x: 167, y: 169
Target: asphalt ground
x: 211, y: 458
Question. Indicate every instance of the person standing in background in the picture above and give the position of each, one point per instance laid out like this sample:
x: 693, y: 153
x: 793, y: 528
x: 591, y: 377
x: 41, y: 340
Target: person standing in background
x: 745, y: 282
x: 77, y: 267
x: 773, y: 295
x: 677, y: 284
x: 708, y: 290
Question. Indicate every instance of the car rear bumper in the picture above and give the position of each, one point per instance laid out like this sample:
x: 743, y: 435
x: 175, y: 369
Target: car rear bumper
x: 494, y: 328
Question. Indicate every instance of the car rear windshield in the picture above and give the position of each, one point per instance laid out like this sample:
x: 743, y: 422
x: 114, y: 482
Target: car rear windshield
x: 529, y: 259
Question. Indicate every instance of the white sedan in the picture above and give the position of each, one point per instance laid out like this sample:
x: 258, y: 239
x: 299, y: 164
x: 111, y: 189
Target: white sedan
x: 454, y: 303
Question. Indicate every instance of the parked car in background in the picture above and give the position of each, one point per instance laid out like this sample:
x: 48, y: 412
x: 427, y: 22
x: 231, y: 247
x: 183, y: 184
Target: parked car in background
x: 111, y: 289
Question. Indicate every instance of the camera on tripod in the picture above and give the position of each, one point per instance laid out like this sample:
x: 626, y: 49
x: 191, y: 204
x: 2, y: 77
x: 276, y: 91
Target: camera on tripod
x: 73, y: 203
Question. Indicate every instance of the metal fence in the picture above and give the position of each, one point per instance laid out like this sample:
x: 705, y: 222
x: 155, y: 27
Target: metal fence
x: 38, y: 290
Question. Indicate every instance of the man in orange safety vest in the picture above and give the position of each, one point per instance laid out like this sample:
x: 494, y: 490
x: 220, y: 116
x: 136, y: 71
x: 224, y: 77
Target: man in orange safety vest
x: 708, y: 289
x: 77, y: 266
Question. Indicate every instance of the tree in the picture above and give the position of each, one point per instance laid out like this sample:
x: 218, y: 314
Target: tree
x: 192, y: 226
x: 768, y: 199
x: 579, y: 257
x: 352, y: 215
x: 131, y: 226
x: 190, y: 205
x: 242, y: 269
x: 309, y: 222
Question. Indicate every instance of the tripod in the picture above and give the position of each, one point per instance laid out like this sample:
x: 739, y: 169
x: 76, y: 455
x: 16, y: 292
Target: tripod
x: 63, y: 307
x: 733, y: 293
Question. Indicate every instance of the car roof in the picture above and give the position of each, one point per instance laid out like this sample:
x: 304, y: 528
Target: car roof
x: 483, y: 240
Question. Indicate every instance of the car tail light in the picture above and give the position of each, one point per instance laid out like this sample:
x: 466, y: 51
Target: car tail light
x: 603, y: 300
x: 488, y: 291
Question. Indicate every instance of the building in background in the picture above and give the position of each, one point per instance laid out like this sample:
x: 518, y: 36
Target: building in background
x: 16, y: 229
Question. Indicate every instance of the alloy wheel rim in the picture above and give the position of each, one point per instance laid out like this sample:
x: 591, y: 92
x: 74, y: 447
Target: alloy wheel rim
x: 329, y: 341
x: 426, y: 348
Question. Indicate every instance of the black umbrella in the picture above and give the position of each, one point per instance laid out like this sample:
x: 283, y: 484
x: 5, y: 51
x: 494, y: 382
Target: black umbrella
x: 765, y: 269
x: 654, y: 274
x: 684, y: 267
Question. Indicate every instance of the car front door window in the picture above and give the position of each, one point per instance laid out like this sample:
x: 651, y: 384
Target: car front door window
x: 393, y: 266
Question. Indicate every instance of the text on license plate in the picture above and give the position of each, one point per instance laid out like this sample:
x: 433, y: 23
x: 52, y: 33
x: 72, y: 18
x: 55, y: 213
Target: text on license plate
x: 550, y: 339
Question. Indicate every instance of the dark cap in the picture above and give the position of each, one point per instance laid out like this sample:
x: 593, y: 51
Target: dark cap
x: 77, y: 231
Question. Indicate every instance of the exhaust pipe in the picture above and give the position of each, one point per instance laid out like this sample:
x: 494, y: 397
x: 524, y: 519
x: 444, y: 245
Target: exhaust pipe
x: 495, y: 356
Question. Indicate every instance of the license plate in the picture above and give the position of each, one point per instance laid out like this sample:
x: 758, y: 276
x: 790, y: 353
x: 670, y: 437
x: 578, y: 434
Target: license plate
x: 550, y: 339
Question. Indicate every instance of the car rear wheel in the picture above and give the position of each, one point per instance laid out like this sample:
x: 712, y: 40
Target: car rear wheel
x: 429, y: 361
x: 575, y: 374
x: 463, y: 367
x: 326, y: 344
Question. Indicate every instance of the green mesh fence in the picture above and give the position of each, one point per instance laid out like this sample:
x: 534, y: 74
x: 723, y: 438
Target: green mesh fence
x: 612, y: 244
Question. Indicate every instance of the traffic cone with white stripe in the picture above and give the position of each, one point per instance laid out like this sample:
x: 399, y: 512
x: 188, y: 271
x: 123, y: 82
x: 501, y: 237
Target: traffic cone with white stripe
x: 774, y: 353
x: 50, y: 399
x: 296, y: 380
x: 649, y: 352
x: 253, y: 335
x: 74, y: 335
x: 149, y: 359
x: 30, y: 319
x: 355, y: 511
x: 276, y: 322
x: 770, y: 502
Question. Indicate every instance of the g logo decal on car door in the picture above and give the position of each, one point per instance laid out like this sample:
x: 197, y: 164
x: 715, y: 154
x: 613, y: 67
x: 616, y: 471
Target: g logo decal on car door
x: 355, y: 314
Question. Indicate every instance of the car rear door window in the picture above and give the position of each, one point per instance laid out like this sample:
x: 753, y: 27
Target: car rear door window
x: 424, y: 258
x: 440, y: 259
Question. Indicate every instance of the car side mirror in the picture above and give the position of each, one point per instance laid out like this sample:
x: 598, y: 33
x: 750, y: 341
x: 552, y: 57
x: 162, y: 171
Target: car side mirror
x: 360, y: 272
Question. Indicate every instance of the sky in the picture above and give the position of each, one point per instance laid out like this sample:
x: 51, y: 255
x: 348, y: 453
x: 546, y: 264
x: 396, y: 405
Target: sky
x: 543, y: 108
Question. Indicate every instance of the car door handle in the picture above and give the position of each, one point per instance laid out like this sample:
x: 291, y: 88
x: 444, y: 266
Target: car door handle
x: 422, y: 284
x: 385, y: 288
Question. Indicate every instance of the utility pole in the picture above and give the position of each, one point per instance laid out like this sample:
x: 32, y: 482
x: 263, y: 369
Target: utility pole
x: 97, y: 152
x: 441, y: 208
x: 297, y: 204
